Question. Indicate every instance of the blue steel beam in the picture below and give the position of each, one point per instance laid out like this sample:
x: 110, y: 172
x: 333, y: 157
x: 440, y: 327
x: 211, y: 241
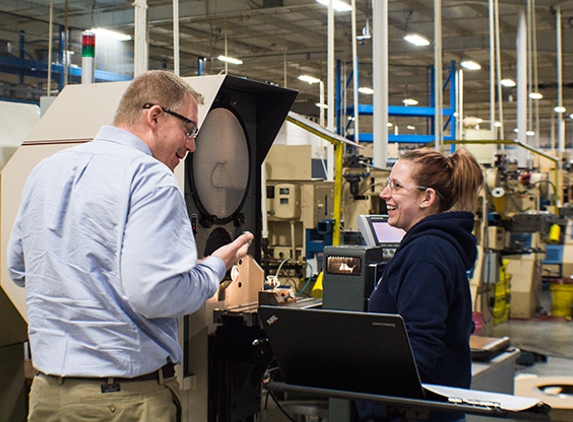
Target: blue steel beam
x: 402, y: 139
x: 38, y: 69
x: 416, y: 111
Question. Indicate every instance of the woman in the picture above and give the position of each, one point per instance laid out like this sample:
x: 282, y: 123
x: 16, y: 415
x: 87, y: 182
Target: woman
x: 431, y: 197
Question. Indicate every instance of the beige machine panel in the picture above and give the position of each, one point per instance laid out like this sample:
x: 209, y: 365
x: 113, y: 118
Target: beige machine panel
x: 289, y: 162
x: 314, y: 200
x: 287, y: 201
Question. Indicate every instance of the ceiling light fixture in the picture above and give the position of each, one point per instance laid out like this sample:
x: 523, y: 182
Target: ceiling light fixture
x: 508, y: 83
x: 309, y: 79
x: 337, y: 5
x: 410, y: 102
x: 559, y: 109
x: 417, y: 40
x: 530, y: 133
x: 320, y: 105
x: 366, y: 90
x: 470, y: 65
x: 231, y: 60
x: 366, y: 33
x: 535, y: 95
x: 110, y: 34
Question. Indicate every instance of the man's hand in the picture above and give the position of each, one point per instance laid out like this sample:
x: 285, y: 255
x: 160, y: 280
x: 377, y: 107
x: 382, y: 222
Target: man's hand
x: 237, y: 249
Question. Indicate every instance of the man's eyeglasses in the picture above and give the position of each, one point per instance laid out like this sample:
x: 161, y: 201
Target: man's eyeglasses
x: 189, y: 125
x: 396, y: 186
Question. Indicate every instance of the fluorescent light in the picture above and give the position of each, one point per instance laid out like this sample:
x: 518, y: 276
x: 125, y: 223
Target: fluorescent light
x: 366, y: 33
x: 535, y: 95
x: 110, y: 34
x: 337, y: 5
x: 560, y: 109
x: 529, y: 133
x: 497, y: 124
x: 309, y: 79
x: 389, y: 124
x: 366, y: 90
x: 320, y: 105
x: 231, y: 60
x: 418, y: 40
x: 509, y: 83
x: 410, y: 127
x: 410, y: 102
x: 470, y: 65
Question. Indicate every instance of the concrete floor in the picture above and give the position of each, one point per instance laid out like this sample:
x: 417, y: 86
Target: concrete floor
x: 550, y: 339
x: 547, y: 351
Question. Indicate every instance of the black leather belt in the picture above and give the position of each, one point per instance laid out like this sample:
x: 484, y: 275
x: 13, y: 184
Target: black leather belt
x: 168, y: 371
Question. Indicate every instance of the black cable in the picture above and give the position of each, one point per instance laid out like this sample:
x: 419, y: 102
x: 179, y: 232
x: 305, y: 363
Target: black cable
x: 267, y: 400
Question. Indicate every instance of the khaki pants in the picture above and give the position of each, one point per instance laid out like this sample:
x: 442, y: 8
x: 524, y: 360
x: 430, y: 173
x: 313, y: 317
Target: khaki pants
x: 53, y: 399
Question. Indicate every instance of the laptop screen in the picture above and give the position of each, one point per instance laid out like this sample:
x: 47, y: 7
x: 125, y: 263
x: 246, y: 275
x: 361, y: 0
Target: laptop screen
x: 342, y: 350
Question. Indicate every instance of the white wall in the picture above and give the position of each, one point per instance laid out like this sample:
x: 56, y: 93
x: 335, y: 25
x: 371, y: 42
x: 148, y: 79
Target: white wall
x: 16, y: 122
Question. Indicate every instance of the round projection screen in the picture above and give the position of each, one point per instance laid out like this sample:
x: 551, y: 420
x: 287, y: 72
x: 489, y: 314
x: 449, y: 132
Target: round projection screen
x: 220, y: 166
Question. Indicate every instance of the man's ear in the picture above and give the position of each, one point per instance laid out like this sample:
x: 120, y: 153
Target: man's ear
x: 152, y: 116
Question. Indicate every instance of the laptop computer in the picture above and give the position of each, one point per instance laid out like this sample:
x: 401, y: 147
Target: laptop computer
x: 368, y: 353
x: 342, y: 350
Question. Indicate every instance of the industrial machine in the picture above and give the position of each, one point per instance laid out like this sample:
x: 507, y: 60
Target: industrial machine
x: 376, y: 231
x: 293, y: 208
x: 16, y: 121
x: 350, y: 274
x: 221, y: 180
x: 361, y: 190
x: 299, y: 217
x: 517, y: 230
x: 223, y: 195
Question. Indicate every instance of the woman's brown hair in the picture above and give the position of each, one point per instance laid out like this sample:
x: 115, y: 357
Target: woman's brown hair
x: 456, y: 178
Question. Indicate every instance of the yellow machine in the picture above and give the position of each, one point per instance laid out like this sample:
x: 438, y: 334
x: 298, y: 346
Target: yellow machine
x: 514, y: 242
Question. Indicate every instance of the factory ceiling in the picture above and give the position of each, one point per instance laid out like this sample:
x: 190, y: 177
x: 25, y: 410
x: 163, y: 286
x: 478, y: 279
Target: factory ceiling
x: 278, y: 40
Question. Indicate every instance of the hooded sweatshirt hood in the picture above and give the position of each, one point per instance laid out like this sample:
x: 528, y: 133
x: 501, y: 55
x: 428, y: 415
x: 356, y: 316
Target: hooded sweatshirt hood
x: 455, y: 227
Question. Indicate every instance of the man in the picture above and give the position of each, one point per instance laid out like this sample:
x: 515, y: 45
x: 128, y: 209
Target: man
x: 104, y: 246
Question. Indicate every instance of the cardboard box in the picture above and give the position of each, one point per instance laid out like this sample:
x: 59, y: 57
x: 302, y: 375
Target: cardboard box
x: 525, y: 271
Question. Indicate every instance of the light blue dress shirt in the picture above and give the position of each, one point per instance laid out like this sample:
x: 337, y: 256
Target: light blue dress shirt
x: 104, y: 246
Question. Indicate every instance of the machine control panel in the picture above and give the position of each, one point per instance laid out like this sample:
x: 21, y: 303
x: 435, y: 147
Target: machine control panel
x: 376, y: 231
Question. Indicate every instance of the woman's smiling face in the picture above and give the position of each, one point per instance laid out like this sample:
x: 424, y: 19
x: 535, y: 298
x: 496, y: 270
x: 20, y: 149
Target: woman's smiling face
x: 403, y: 197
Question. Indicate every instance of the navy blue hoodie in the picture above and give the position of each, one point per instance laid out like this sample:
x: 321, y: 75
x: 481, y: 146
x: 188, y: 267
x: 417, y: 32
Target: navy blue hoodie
x: 426, y: 282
